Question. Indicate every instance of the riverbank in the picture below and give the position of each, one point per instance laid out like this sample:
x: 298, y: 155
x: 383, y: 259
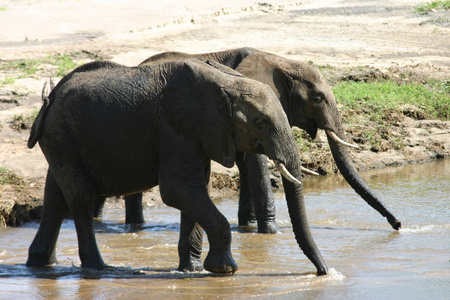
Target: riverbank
x: 403, y: 136
x: 349, y: 41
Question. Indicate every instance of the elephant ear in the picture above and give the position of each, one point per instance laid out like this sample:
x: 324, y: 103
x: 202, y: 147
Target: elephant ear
x: 199, y: 110
x: 269, y: 69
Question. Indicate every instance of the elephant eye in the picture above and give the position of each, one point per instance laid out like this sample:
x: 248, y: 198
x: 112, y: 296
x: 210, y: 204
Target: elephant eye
x: 318, y: 98
x: 260, y: 122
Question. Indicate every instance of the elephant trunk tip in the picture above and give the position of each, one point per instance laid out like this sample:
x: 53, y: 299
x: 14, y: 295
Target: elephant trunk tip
x: 396, y: 224
x: 322, y: 271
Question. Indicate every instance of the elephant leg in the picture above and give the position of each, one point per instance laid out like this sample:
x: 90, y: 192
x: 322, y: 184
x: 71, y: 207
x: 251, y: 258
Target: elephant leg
x: 42, y: 249
x: 80, y: 194
x: 256, y: 193
x: 182, y: 185
x: 246, y: 212
x: 190, y: 245
x: 219, y: 258
x: 133, y: 209
x: 191, y: 236
x: 98, y: 208
x: 82, y: 207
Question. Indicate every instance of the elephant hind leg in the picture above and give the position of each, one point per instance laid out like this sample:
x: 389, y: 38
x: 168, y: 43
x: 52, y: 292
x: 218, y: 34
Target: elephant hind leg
x: 133, y: 209
x: 81, y: 199
x: 81, y: 194
x: 42, y: 249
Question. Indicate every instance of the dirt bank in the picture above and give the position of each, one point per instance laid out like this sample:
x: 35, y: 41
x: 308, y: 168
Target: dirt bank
x: 359, y: 40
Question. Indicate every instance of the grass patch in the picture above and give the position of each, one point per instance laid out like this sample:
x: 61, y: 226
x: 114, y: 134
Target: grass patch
x: 9, y: 178
x: 25, y: 67
x: 64, y: 63
x: 425, y: 8
x: 8, y: 80
x: 3, y: 8
x: 21, y: 122
x: 432, y: 99
x: 61, y: 64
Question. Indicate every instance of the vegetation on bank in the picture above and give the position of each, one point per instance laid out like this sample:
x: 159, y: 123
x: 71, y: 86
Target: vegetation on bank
x: 425, y: 8
x: 55, y: 65
x: 9, y: 178
x: 431, y: 100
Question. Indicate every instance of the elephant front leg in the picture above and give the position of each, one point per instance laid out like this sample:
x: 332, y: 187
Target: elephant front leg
x: 256, y: 200
x: 190, y: 245
x: 199, y: 208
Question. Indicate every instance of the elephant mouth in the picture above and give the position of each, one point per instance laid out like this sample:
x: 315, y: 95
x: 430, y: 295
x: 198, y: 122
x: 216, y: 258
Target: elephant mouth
x: 311, y: 128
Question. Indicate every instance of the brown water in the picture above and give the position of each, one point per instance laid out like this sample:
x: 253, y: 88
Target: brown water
x: 368, y: 259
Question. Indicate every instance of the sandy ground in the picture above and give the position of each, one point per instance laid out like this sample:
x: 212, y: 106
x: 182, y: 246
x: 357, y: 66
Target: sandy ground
x: 375, y: 33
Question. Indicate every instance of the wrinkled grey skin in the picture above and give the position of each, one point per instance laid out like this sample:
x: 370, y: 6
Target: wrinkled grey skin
x: 181, y: 115
x: 309, y: 104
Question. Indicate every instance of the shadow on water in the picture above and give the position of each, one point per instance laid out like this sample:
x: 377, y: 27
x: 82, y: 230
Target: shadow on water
x: 74, y: 272
x: 108, y: 227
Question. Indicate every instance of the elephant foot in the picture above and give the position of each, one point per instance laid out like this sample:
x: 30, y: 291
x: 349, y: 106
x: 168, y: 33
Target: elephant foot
x: 34, y: 261
x: 270, y: 227
x: 95, y: 264
x: 194, y: 265
x: 220, y: 263
x: 38, y: 257
x: 248, y: 223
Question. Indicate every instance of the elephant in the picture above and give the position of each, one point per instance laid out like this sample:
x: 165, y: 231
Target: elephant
x: 108, y: 130
x: 309, y: 104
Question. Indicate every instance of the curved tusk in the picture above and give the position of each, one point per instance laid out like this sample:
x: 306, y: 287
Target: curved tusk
x: 308, y: 171
x: 286, y: 173
x: 335, y: 138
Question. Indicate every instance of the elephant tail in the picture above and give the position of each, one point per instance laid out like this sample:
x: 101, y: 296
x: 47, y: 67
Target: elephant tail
x: 36, y: 129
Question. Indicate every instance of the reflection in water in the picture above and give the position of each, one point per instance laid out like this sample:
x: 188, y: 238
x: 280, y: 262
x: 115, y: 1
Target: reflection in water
x: 367, y: 258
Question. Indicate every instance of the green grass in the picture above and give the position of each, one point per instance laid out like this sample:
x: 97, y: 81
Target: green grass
x: 65, y: 64
x: 3, y: 8
x: 425, y: 8
x: 21, y: 122
x: 432, y: 99
x: 10, y: 178
x: 24, y: 68
x: 8, y: 80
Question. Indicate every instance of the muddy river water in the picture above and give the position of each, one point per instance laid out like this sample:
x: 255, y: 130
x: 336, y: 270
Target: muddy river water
x: 368, y: 260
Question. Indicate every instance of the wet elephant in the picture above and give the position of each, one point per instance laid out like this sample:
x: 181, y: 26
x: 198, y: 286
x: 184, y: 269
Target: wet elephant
x: 109, y: 130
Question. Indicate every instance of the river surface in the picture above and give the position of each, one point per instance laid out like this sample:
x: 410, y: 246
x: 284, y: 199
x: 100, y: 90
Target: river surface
x: 366, y: 257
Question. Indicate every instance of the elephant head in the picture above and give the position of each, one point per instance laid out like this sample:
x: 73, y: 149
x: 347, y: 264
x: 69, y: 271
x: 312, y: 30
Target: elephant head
x: 309, y: 104
x: 229, y: 114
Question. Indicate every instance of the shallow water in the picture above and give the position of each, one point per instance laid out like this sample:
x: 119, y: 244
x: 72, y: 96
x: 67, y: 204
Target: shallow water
x: 368, y: 259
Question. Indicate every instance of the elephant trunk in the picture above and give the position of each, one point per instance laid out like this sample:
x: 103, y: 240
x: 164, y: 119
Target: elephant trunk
x: 345, y: 165
x: 297, y: 212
